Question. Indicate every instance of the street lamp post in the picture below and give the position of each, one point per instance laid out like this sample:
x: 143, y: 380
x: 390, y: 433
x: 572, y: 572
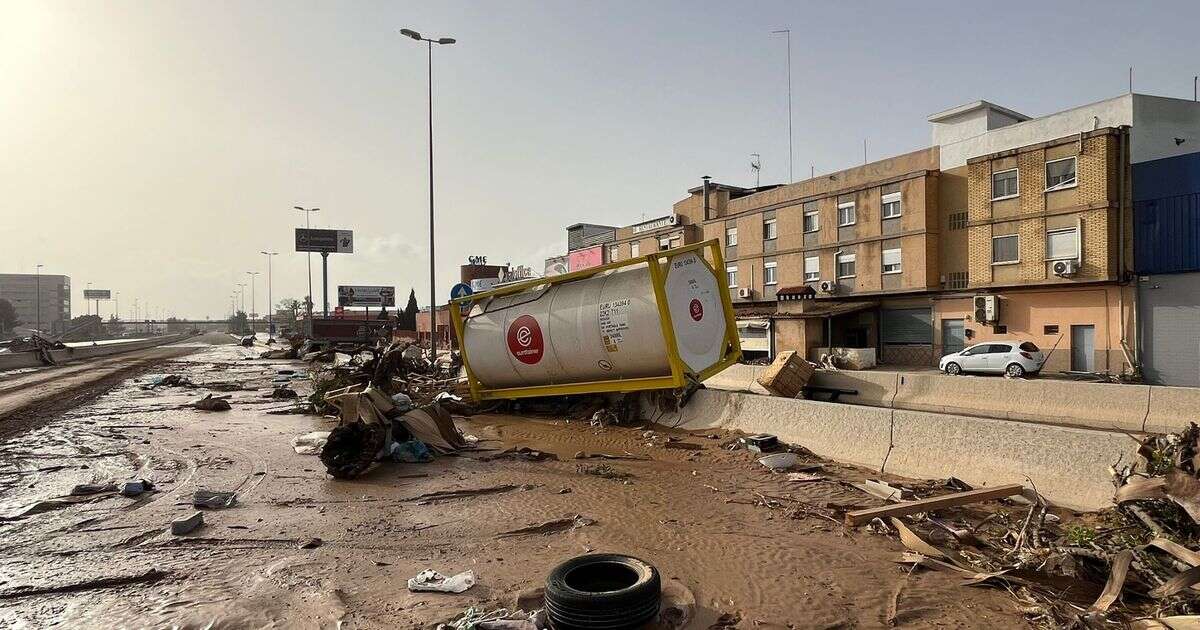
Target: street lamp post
x: 253, y: 300
x: 38, y: 299
x: 270, y: 302
x: 85, y: 300
x: 788, y: 33
x: 433, y: 301
x: 308, y: 302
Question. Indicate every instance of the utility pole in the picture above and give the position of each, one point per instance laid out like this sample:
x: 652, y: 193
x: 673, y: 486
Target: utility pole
x: 788, y: 33
x: 270, y: 299
x: 433, y: 301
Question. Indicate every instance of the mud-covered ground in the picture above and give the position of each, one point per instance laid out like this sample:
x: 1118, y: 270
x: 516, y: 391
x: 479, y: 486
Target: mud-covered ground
x: 693, y: 510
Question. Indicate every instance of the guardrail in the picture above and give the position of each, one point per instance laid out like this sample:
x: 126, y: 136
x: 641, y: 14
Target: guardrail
x: 18, y: 360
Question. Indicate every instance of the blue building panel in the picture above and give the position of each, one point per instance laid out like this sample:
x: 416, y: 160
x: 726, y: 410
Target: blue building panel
x: 1166, y: 212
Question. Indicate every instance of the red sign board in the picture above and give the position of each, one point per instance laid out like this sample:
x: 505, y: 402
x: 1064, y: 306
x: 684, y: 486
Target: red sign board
x: 525, y: 340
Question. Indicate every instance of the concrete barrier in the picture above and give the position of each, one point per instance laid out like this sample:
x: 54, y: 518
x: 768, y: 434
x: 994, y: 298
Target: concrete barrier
x: 17, y: 360
x: 738, y: 378
x: 847, y: 433
x: 1172, y: 409
x: 1069, y: 466
x: 876, y: 389
x: 1095, y: 405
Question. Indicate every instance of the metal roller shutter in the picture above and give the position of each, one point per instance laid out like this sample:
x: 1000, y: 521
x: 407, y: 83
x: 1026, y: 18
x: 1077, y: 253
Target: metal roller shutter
x: 908, y: 325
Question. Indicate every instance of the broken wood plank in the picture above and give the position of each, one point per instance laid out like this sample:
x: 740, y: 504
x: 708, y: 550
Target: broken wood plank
x: 858, y: 517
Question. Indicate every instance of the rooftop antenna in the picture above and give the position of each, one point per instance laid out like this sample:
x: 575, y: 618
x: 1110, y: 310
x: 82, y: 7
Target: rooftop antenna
x: 756, y: 168
x: 1131, y: 79
x: 864, y: 150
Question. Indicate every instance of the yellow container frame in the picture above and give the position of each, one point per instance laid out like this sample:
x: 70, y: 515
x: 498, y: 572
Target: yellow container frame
x: 680, y: 374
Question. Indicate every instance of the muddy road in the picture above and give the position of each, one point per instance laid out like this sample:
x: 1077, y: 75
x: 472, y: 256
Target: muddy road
x: 693, y: 509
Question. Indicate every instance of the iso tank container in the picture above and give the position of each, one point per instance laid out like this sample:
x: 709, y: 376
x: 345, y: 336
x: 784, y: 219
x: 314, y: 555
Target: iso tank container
x: 648, y: 323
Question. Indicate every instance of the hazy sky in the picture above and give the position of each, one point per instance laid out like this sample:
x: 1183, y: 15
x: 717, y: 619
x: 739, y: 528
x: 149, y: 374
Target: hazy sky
x: 156, y: 147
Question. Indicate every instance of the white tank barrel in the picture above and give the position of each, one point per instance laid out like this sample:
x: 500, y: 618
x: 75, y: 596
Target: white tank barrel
x: 647, y: 323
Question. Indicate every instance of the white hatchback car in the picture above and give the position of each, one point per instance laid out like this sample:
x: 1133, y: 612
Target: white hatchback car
x: 1013, y: 358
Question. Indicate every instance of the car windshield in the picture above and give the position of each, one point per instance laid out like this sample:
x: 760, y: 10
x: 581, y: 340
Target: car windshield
x: 1029, y: 347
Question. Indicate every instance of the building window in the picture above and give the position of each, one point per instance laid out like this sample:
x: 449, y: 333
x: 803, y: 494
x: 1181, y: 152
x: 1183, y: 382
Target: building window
x: 891, y: 205
x: 1062, y: 244
x: 958, y: 220
x: 812, y: 268
x: 1005, y: 250
x: 1050, y: 329
x: 769, y: 230
x: 676, y: 241
x: 769, y: 273
x: 812, y: 221
x: 730, y: 237
x: 845, y: 265
x: 635, y: 249
x: 956, y: 280
x: 1004, y: 184
x: 613, y: 252
x: 845, y: 214
x: 731, y: 276
x: 664, y: 243
x: 999, y: 329
x: 1060, y: 174
x: 891, y: 261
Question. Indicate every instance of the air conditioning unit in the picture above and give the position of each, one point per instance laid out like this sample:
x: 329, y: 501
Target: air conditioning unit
x: 827, y: 286
x: 987, y: 309
x: 745, y: 292
x: 1064, y: 268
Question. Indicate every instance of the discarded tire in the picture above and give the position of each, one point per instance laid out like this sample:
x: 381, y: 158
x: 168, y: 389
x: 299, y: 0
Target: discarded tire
x: 602, y: 592
x: 351, y: 449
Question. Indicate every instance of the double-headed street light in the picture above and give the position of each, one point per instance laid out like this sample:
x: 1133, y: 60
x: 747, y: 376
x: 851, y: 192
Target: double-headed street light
x: 253, y: 299
x: 433, y: 301
x: 308, y: 224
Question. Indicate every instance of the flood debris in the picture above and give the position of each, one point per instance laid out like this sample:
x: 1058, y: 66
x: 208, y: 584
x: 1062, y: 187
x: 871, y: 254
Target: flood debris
x: 213, y: 500
x: 211, y: 403
x: 787, y: 376
x: 603, y: 470
x: 432, y: 581
x: 284, y: 393
x: 858, y: 517
x: 187, y: 525
x: 146, y: 577
x: 556, y: 526
x: 371, y: 422
x: 136, y: 487
x: 449, y: 495
x: 85, y: 489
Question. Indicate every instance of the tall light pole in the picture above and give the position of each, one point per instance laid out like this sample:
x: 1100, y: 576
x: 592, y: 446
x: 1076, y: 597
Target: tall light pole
x: 117, y: 306
x: 242, y: 296
x: 38, y: 299
x: 788, y: 33
x: 270, y: 302
x: 85, y: 300
x: 433, y: 301
x: 308, y: 225
x: 253, y: 299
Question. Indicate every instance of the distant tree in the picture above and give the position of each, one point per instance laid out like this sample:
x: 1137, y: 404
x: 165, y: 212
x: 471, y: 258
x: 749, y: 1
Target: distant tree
x: 408, y: 318
x: 238, y: 324
x: 8, y: 317
x: 114, y: 326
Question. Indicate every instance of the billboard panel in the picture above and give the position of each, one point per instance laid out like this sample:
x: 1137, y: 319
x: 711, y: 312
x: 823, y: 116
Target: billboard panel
x: 366, y: 295
x: 97, y: 294
x: 327, y: 241
x: 584, y: 258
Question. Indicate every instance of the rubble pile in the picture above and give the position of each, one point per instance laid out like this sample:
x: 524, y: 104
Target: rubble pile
x: 1133, y: 565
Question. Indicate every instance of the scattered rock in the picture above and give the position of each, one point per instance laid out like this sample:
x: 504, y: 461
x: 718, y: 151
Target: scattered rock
x: 187, y: 525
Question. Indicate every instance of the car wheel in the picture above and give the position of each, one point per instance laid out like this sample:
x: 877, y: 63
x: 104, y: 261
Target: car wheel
x: 1015, y: 370
x: 953, y: 369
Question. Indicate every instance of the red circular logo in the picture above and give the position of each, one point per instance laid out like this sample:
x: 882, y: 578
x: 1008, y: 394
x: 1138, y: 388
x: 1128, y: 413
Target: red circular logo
x: 696, y: 309
x: 525, y: 339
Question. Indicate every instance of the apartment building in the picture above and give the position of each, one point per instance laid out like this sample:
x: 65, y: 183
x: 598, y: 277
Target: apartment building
x: 1007, y: 227
x: 26, y: 290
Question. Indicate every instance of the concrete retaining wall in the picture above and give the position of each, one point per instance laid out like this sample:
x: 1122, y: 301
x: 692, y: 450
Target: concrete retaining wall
x: 16, y: 360
x: 1105, y: 406
x: 1069, y: 466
